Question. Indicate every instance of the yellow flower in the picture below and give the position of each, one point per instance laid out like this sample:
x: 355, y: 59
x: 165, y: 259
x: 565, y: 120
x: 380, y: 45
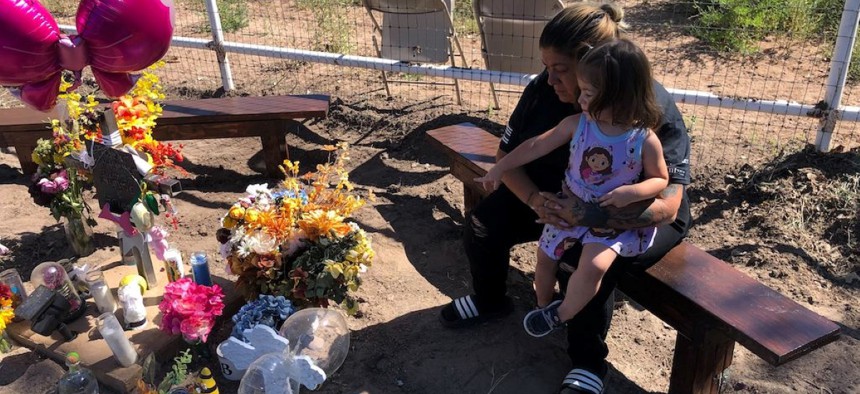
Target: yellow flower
x: 237, y: 212
x: 319, y: 223
x: 335, y: 269
x: 252, y: 215
x: 351, y: 273
x: 6, y: 316
x: 228, y: 222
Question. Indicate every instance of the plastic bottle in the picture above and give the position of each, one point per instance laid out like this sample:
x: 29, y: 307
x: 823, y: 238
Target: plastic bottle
x: 77, y: 380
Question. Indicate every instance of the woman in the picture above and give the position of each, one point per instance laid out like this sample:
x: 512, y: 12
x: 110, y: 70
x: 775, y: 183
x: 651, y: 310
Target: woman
x: 515, y: 212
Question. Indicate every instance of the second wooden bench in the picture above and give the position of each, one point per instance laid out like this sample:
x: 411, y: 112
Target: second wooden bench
x: 710, y: 303
x: 266, y: 117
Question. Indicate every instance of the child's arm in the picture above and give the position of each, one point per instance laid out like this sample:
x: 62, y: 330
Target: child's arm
x: 531, y: 149
x: 656, y: 177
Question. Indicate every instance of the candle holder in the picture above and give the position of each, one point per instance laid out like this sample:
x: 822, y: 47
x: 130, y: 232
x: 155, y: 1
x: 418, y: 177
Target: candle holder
x: 113, y: 334
x: 100, y: 291
x: 12, y: 278
x: 200, y: 268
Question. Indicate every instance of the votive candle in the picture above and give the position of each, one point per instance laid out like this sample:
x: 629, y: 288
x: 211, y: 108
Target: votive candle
x: 100, y: 291
x: 118, y: 343
x: 12, y: 278
x: 200, y: 268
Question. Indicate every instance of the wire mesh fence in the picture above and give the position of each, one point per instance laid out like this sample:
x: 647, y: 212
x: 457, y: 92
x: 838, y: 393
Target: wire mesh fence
x: 788, y: 61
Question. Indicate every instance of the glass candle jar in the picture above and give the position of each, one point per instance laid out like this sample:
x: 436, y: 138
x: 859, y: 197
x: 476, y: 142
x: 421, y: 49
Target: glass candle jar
x: 100, y: 291
x: 12, y: 278
x: 114, y: 335
x: 53, y: 276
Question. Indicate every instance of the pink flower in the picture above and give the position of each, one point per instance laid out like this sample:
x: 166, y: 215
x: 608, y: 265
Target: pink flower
x: 48, y: 186
x: 190, y: 309
x: 61, y: 179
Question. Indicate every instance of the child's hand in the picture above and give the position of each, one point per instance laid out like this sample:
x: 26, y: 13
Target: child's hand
x: 621, y: 197
x: 492, y: 180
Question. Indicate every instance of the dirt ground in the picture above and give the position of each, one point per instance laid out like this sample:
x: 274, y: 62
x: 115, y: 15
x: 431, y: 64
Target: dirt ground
x: 746, y: 216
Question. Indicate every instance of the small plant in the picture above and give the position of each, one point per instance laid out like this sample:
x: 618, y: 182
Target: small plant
x: 178, y: 372
x: 464, y: 18
x: 332, y: 31
x: 234, y: 15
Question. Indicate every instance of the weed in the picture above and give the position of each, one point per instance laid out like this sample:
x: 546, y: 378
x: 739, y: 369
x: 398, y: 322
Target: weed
x: 332, y: 31
x: 61, y: 8
x: 464, y: 18
x: 234, y: 15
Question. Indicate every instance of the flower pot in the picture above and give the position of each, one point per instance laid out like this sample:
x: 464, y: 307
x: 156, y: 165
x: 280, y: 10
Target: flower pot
x: 80, y: 235
x: 228, y: 369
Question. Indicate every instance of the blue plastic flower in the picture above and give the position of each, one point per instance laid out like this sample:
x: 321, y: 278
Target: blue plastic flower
x: 267, y: 310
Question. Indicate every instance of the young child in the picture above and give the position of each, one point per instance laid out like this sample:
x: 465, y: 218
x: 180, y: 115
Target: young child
x: 615, y: 159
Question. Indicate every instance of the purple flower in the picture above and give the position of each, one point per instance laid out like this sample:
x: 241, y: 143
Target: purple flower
x: 48, y: 186
x: 61, y: 180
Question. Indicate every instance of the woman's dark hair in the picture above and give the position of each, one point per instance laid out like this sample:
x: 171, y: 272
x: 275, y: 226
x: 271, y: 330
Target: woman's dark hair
x: 580, y: 26
x: 621, y: 74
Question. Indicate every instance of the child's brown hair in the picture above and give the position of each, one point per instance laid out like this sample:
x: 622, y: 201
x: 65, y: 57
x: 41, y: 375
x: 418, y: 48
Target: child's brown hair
x: 621, y: 74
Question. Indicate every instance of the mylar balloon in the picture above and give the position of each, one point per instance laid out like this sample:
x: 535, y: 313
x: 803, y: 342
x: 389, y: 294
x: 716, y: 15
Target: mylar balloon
x: 115, y: 37
x: 319, y: 333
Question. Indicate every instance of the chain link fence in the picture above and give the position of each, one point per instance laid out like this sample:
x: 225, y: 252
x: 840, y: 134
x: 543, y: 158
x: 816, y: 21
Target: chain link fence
x: 787, y: 64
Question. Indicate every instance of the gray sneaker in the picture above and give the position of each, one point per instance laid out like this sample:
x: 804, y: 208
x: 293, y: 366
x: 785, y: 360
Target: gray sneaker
x: 541, y: 322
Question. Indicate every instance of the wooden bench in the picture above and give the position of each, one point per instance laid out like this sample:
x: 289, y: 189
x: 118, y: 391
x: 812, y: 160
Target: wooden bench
x: 710, y: 304
x: 267, y: 117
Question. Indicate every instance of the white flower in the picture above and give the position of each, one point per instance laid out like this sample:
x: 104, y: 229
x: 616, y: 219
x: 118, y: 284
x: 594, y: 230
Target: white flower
x: 244, y: 250
x: 261, y: 243
x: 237, y: 235
x: 260, y: 189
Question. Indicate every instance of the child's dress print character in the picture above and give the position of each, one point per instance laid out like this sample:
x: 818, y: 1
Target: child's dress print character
x: 596, y: 166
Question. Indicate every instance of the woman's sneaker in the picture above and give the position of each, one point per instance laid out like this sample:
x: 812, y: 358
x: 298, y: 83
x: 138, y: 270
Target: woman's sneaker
x: 541, y: 322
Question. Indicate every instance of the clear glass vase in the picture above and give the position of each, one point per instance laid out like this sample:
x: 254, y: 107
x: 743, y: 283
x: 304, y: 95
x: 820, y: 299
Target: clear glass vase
x: 80, y: 235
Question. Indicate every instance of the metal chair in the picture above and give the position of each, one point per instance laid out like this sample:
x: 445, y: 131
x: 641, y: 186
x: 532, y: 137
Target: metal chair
x: 510, y: 30
x: 416, y: 31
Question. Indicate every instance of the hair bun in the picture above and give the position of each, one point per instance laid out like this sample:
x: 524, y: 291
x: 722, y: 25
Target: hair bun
x: 614, y: 11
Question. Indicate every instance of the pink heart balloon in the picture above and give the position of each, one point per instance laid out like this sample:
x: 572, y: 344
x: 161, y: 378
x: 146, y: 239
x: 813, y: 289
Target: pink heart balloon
x: 115, y: 38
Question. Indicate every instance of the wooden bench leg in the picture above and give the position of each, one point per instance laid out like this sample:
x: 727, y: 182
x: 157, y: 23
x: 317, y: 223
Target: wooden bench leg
x: 274, y: 140
x: 471, y: 198
x: 698, y: 365
x: 25, y: 157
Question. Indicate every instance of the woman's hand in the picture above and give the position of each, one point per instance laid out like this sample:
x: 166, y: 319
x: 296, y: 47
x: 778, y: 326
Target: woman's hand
x: 568, y: 210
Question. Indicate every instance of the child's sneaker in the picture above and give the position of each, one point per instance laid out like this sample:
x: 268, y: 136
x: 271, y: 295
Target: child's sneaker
x: 540, y: 322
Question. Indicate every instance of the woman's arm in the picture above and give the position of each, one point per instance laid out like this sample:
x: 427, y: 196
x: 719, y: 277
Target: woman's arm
x: 572, y: 211
x: 656, y: 177
x: 529, y: 150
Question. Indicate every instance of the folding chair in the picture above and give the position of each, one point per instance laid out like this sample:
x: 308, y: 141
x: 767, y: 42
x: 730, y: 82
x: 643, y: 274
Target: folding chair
x: 420, y: 31
x: 510, y: 30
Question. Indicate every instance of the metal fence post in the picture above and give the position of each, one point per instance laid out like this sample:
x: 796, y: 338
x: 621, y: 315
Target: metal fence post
x: 217, y: 45
x: 838, y: 73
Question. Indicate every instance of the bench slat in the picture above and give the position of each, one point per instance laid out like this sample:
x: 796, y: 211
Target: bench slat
x: 267, y: 117
x: 772, y: 326
x: 769, y: 324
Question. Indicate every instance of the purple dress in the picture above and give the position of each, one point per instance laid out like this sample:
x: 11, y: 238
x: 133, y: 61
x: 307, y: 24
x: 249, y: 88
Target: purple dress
x: 598, y: 164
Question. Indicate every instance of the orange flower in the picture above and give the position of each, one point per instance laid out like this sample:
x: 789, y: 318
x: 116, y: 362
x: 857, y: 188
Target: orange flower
x: 319, y: 223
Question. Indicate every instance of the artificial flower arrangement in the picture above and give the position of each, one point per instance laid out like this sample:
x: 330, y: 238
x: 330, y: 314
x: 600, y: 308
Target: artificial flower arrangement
x: 295, y: 241
x: 59, y: 184
x: 267, y: 310
x: 7, y: 313
x: 190, y: 309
